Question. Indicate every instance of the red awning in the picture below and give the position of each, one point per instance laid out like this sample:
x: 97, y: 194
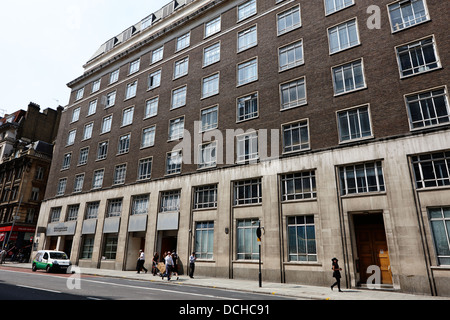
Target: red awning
x: 18, y: 229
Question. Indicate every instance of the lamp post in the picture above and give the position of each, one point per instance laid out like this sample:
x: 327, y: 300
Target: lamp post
x: 259, y: 236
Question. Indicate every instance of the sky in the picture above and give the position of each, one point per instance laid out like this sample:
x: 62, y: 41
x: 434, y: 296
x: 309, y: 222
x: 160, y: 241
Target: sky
x: 45, y: 43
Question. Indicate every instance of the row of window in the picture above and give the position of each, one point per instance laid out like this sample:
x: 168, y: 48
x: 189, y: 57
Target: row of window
x: 403, y: 14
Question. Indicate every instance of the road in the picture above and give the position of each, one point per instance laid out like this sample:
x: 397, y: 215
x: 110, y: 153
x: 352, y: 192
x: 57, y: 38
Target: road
x: 23, y: 284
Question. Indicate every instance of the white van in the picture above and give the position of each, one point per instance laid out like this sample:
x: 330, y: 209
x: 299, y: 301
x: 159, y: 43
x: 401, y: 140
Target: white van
x: 50, y: 261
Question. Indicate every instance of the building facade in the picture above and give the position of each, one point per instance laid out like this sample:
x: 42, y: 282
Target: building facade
x: 26, y: 147
x: 327, y: 122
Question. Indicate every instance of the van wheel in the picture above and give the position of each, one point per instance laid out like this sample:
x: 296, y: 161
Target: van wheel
x: 48, y: 269
x: 33, y: 268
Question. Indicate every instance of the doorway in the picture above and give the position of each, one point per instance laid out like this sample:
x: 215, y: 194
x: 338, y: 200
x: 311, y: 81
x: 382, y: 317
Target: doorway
x: 167, y: 241
x: 371, y: 244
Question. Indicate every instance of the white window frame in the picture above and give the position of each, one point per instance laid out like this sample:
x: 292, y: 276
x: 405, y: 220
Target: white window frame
x: 183, y: 41
x: 127, y: 116
x: 134, y: 66
x: 341, y: 69
x: 289, y: 50
x: 244, y: 38
x: 181, y: 68
x: 247, y: 10
x: 154, y: 80
x: 350, y: 112
x: 245, y: 147
x: 157, y: 54
x: 422, y: 19
x: 248, y: 66
x: 335, y: 6
x: 213, y: 26
x: 148, y: 137
x: 176, y: 128
x: 211, y: 54
x: 292, y: 128
x: 284, y: 15
x: 336, y: 32
x: 179, y: 96
x: 299, y: 87
x: 210, y: 85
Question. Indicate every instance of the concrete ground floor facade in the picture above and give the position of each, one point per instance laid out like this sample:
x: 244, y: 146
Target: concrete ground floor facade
x: 358, y: 203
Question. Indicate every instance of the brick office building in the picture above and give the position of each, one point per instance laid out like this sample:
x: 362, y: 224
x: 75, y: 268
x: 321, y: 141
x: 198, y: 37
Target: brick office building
x: 319, y: 121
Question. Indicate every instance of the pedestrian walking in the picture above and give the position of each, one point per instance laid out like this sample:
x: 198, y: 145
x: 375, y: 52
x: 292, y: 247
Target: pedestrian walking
x: 336, y: 274
x: 169, y: 265
x: 141, y: 262
x: 155, y: 264
x: 175, y: 264
x: 192, y: 259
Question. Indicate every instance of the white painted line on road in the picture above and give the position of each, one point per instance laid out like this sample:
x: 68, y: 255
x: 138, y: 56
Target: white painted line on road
x: 40, y: 289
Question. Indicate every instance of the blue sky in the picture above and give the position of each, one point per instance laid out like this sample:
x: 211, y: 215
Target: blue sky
x: 45, y: 43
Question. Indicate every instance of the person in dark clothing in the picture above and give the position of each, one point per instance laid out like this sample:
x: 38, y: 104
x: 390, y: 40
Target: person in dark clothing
x: 336, y: 274
x: 155, y: 262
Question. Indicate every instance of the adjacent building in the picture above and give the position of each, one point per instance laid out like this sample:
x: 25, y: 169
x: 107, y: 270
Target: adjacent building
x: 26, y: 146
x: 325, y: 122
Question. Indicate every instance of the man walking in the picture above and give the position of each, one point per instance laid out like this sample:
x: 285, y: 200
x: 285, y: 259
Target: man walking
x: 141, y: 262
x: 192, y: 259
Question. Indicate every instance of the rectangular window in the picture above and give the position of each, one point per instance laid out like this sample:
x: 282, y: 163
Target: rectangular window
x: 428, y: 108
x: 247, y: 147
x: 134, y: 66
x: 440, y: 227
x: 247, y: 107
x: 174, y: 162
x: 127, y: 116
x: 332, y: 6
x: 302, y: 239
x: 110, y: 248
x: 106, y: 124
x: 154, y: 80
x: 247, y: 192
x: 114, y: 76
x: 61, y: 187
x: 78, y: 184
x: 246, y: 10
x: 55, y: 214
x: 71, y: 137
x: 432, y: 170
x: 96, y: 85
x: 354, y: 124
x: 289, y: 20
x: 87, y: 133
x: 183, y: 42
x: 114, y: 208
x: 247, y: 72
x: 205, y: 197
x: 140, y: 205
x: 88, y: 247
x: 209, y: 118
x: 181, y: 68
x: 66, y: 161
x: 348, y: 77
x: 293, y: 94
x: 204, y: 240
x: 124, y: 144
x: 418, y: 57
x: 151, y: 108
x: 80, y: 94
x: 343, y: 36
x: 212, y: 27
x: 97, y: 181
x: 247, y: 38
x: 210, y: 85
x: 120, y: 173
x: 131, y: 90
x: 170, y: 201
x: 361, y: 178
x: 179, y: 98
x: 290, y: 56
x: 102, y: 150
x: 157, y: 54
x: 295, y: 136
x: 176, y: 129
x: 407, y: 13
x: 92, y: 108
x: 211, y: 54
x: 72, y: 212
x: 76, y: 115
x: 207, y: 155
x: 246, y: 239
x: 110, y: 99
x: 83, y: 157
x: 298, y: 186
x: 92, y: 210
x: 145, y: 169
x: 148, y: 137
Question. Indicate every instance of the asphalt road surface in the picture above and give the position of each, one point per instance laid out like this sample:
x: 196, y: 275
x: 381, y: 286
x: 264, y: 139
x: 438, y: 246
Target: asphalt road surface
x: 39, y: 286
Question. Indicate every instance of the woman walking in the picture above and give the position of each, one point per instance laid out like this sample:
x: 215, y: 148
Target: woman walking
x: 336, y: 274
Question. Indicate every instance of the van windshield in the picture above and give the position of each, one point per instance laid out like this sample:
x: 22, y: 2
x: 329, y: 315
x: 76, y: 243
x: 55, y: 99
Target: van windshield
x: 58, y: 255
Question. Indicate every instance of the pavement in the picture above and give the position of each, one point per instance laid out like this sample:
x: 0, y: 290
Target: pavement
x: 296, y: 291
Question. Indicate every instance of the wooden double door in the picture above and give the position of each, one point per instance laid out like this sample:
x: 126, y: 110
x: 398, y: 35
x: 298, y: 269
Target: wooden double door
x: 372, y: 246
